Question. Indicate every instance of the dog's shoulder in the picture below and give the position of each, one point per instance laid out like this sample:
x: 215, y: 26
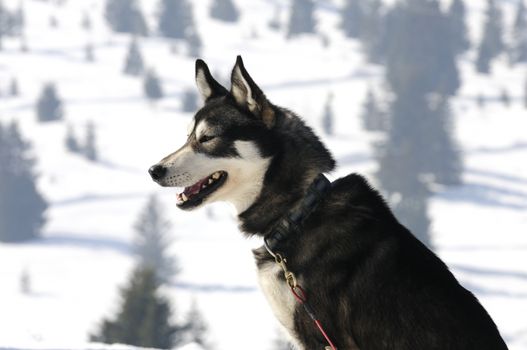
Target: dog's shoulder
x: 354, y: 191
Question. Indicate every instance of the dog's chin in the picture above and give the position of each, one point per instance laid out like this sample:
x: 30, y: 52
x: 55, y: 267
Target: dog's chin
x: 197, y: 194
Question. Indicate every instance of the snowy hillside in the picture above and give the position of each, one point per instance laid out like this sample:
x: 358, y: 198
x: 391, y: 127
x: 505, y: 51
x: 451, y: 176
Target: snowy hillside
x: 84, y: 256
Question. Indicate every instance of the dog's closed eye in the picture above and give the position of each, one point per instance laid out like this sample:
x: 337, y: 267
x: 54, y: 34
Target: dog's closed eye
x: 206, y: 138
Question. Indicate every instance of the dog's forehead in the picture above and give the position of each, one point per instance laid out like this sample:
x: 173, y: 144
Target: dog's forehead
x: 218, y: 116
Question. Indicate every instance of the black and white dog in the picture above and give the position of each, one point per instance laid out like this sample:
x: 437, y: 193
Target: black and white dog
x: 369, y: 281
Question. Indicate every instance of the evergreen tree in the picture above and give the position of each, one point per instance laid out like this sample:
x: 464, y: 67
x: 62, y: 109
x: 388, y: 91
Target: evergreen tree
x: 125, y: 16
x: 224, y: 10
x: 134, y: 64
x: 327, y: 116
x: 458, y: 26
x: 70, y: 141
x: 525, y: 93
x: 4, y: 23
x: 505, y: 98
x: 190, y: 101
x: 196, y: 327
x: 194, y: 43
x: 53, y: 22
x: 373, y: 119
x: 420, y: 49
x: 491, y: 44
x: 89, y: 149
x: 372, y: 34
x: 301, y: 18
x: 89, y: 55
x: 152, y: 86
x: 144, y: 316
x: 400, y: 167
x: 446, y: 167
x: 152, y: 240
x: 175, y: 18
x: 21, y: 205
x: 275, y: 22
x: 49, y: 104
x: 86, y: 22
x: 519, y: 33
x: 25, y: 282
x: 352, y: 18
x: 13, y: 88
x: 481, y: 100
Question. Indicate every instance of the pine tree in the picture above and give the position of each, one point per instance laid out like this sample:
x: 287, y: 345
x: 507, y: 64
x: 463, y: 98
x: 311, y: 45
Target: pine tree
x: 175, y: 18
x: 352, y: 18
x: 89, y: 149
x: 373, y: 119
x: 4, y: 23
x: 481, y: 100
x: 275, y: 23
x: 420, y: 48
x: 224, y: 10
x: 21, y: 205
x: 125, y: 16
x: 70, y: 140
x: 86, y: 22
x: 491, y: 44
x: 144, y: 316
x: 194, y: 43
x: 301, y: 18
x: 372, y: 34
x: 152, y: 86
x: 505, y: 98
x: 196, y: 328
x: 25, y: 282
x: 519, y: 33
x: 327, y: 116
x: 152, y: 240
x: 53, y: 22
x: 190, y: 101
x: 49, y: 105
x: 13, y: 88
x: 525, y: 94
x: 134, y: 64
x: 458, y: 26
x: 89, y: 55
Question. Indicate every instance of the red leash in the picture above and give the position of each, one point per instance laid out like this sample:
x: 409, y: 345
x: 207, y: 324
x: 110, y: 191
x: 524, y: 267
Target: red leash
x: 302, y: 299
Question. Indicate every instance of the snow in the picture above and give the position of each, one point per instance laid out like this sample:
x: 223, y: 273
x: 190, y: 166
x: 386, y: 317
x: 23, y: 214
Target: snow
x: 84, y: 257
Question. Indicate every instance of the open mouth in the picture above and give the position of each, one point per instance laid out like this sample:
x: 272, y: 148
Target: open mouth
x: 193, y: 195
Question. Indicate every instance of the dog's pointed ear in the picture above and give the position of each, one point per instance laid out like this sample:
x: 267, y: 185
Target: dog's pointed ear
x: 208, y: 87
x: 248, y: 95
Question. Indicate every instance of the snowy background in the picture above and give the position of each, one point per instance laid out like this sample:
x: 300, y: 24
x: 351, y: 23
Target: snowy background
x: 84, y: 255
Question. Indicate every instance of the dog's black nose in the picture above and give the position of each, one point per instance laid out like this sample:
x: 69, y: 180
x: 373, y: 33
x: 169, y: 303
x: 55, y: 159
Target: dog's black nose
x: 157, y: 172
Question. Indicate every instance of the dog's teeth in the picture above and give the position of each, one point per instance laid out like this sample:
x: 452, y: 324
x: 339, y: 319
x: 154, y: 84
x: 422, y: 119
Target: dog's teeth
x: 184, y: 197
x: 216, y: 176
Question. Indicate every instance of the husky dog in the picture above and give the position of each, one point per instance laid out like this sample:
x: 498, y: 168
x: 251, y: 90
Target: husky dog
x: 370, y: 282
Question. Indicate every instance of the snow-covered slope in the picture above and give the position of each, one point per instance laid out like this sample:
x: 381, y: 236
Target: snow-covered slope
x: 75, y: 270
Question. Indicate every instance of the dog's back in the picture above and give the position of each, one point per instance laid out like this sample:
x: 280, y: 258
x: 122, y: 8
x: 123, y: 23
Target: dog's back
x: 378, y: 284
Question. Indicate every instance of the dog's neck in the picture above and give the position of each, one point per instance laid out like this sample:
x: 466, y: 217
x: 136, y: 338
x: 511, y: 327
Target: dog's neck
x: 275, y: 201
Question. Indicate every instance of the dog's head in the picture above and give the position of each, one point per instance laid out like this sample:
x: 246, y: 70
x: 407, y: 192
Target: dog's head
x: 229, y: 145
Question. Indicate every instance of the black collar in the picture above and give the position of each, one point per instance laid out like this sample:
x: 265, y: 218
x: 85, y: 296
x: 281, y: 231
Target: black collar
x: 292, y: 222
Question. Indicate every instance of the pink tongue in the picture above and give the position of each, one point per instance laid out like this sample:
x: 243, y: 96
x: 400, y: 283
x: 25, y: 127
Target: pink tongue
x: 192, y: 190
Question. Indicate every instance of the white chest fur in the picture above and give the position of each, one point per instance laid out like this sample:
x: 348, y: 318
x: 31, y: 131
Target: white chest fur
x: 279, y: 297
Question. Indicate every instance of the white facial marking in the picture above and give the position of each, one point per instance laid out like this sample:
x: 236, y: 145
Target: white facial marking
x: 202, y: 129
x: 203, y: 85
x: 245, y: 173
x: 240, y: 95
